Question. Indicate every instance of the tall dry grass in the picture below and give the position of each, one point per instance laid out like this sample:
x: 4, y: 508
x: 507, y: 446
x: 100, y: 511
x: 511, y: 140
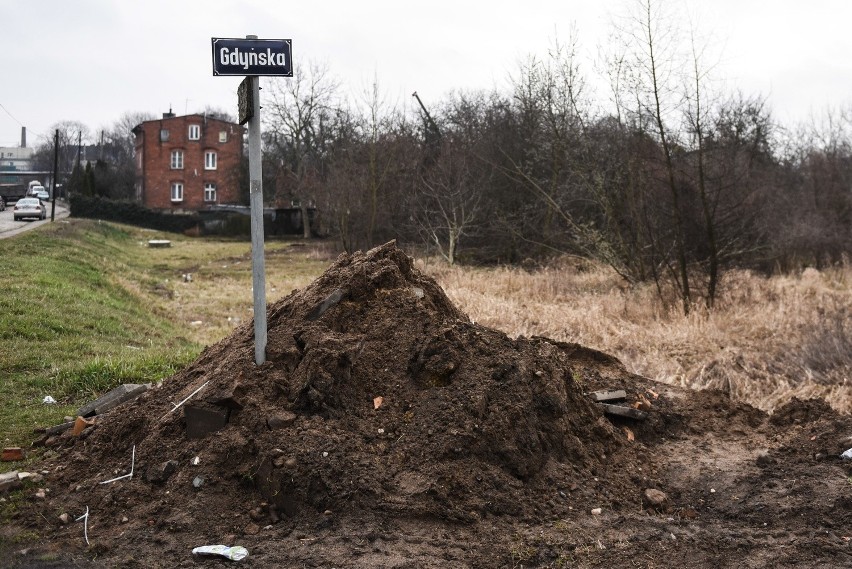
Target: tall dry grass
x: 768, y: 339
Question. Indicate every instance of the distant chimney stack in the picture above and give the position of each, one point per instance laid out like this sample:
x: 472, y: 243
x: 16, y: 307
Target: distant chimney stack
x: 169, y: 115
x: 23, y: 137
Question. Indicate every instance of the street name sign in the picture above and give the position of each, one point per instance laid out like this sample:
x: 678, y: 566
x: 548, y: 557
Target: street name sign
x: 247, y: 57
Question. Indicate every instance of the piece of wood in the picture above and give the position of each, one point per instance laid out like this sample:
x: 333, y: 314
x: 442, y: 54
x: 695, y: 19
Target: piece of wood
x: 608, y: 395
x: 114, y: 398
x: 621, y: 411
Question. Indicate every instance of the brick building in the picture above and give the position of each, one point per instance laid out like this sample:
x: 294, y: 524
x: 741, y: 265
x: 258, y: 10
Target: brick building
x: 187, y: 163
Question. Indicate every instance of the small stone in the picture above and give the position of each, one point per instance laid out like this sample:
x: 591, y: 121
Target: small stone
x: 65, y: 519
x: 280, y: 420
x: 251, y: 529
x: 196, y: 461
x: 32, y: 477
x: 41, y: 494
x: 159, y: 474
x: 257, y: 514
x: 124, y: 519
x: 325, y: 454
x: 327, y: 513
x: 198, y: 482
x: 764, y: 459
x: 655, y: 499
x: 596, y: 511
x: 278, y: 462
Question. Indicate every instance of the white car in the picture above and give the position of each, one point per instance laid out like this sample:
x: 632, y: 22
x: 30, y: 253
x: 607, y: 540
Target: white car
x: 29, y: 207
x: 42, y: 194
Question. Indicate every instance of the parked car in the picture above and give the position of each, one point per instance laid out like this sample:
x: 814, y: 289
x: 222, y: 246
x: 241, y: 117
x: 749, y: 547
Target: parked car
x: 2, y: 204
x: 34, y: 190
x: 29, y: 207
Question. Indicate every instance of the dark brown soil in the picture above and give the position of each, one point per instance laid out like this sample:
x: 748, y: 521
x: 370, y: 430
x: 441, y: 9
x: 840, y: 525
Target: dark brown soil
x: 483, y: 451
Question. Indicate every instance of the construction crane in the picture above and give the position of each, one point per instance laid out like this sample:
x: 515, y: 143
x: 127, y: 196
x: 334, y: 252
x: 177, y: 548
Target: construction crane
x: 432, y: 135
x: 431, y: 122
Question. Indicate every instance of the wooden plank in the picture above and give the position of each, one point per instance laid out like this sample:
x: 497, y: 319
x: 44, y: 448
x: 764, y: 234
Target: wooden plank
x: 608, y: 395
x: 622, y: 411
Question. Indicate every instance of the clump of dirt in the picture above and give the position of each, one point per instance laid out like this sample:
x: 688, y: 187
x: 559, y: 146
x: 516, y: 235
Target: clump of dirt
x: 386, y: 429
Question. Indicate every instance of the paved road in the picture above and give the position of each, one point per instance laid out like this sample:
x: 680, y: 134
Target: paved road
x: 9, y: 227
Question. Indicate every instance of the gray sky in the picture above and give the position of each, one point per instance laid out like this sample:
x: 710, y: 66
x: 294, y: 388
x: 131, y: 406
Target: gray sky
x: 93, y: 60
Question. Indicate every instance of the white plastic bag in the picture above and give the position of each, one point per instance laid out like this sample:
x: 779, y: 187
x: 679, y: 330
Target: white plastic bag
x: 235, y: 553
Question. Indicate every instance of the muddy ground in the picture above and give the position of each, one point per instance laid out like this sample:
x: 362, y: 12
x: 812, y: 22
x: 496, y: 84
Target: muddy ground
x: 387, y: 430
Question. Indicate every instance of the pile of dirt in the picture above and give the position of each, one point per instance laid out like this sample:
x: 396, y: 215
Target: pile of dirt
x: 386, y: 429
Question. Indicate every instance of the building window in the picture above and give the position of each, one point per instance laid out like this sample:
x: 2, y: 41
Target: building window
x: 177, y: 159
x: 164, y: 134
x: 210, y: 160
x: 177, y: 191
x: 223, y: 136
x: 194, y: 132
x: 209, y: 192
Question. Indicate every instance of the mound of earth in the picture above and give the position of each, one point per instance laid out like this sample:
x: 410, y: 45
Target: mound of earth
x: 385, y: 429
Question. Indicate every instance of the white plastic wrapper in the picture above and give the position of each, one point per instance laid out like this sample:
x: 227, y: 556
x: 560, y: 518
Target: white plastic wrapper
x: 847, y: 454
x: 48, y: 400
x: 235, y: 553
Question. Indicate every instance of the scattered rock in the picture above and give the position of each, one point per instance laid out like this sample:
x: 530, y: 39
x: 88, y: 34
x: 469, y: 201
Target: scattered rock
x: 281, y: 420
x: 9, y: 481
x: 596, y: 511
x: 65, y: 519
x: 655, y: 499
x: 764, y: 459
x: 161, y: 473
x: 251, y: 529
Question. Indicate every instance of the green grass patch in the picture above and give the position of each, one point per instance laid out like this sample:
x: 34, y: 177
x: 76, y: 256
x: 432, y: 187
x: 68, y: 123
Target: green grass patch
x: 70, y: 329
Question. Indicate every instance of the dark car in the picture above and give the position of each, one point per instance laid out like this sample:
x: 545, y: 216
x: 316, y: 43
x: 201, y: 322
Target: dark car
x: 2, y: 204
x: 29, y: 207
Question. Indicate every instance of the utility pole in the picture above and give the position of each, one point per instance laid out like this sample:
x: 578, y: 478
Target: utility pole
x: 231, y: 56
x: 258, y: 272
x: 55, y: 174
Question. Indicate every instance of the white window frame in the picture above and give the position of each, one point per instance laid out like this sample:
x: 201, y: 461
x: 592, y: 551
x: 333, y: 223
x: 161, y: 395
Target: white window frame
x: 223, y: 136
x: 210, y: 159
x: 177, y: 160
x: 194, y: 132
x: 210, y: 192
x: 177, y: 191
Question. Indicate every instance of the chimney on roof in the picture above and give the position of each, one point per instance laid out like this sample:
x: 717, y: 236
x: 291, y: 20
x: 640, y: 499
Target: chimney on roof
x: 170, y: 114
x: 23, y: 137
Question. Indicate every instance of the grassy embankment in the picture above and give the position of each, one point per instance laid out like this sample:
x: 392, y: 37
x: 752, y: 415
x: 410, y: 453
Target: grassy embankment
x: 86, y: 306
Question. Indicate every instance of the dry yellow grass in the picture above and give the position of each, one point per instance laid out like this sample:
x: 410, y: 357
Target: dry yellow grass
x: 768, y: 340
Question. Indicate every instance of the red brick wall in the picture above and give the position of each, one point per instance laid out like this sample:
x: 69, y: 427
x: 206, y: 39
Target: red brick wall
x: 156, y: 175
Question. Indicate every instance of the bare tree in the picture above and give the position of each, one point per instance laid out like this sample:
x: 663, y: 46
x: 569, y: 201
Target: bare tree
x: 447, y: 205
x: 300, y: 119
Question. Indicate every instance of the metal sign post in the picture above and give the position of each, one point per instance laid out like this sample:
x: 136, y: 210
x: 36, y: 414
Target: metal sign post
x: 253, y: 57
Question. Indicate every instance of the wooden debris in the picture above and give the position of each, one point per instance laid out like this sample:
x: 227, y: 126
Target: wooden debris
x: 621, y: 411
x: 114, y: 398
x: 608, y: 395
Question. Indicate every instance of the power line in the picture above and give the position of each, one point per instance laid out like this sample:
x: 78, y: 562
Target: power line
x: 11, y: 115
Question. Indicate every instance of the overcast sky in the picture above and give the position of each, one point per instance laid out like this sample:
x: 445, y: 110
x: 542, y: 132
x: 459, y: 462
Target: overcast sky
x: 93, y: 60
